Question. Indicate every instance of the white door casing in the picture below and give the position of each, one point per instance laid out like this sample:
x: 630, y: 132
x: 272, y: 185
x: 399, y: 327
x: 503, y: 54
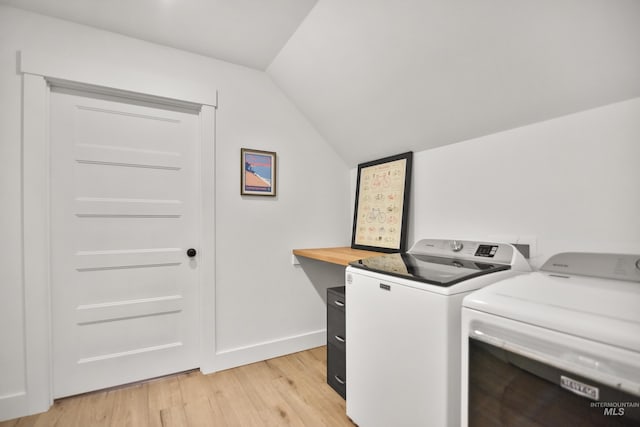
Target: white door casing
x: 41, y: 70
x: 124, y: 210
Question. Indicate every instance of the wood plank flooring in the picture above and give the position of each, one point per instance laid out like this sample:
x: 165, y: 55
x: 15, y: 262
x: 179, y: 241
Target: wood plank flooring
x: 285, y: 391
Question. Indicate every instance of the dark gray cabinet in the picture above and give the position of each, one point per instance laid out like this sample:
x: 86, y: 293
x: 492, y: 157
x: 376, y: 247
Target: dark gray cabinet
x: 336, y: 340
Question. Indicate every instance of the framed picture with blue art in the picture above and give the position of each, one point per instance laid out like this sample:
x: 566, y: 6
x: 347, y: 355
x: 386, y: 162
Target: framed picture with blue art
x: 258, y: 172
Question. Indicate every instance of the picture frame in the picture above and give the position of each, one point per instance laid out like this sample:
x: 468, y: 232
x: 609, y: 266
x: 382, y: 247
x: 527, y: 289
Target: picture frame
x: 381, y: 205
x: 258, y: 171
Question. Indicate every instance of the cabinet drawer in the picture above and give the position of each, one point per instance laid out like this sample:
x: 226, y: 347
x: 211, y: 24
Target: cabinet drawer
x: 336, y: 328
x: 336, y: 370
x: 336, y: 298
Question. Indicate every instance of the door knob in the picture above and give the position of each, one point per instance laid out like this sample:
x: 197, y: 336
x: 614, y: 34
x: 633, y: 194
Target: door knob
x: 191, y: 252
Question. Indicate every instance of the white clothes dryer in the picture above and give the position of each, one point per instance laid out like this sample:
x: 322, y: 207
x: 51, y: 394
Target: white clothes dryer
x: 558, y: 347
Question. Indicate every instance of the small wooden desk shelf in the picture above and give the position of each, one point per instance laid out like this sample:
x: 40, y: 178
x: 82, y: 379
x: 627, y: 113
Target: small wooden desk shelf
x: 340, y: 256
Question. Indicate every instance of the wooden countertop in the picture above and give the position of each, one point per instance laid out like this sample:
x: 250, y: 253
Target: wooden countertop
x: 340, y: 256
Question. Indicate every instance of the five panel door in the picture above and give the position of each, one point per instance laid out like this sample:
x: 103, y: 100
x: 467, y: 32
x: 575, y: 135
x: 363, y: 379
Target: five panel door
x: 124, y: 201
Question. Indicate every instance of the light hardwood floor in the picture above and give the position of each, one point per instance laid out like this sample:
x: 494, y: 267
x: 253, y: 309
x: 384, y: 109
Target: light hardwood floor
x: 285, y: 391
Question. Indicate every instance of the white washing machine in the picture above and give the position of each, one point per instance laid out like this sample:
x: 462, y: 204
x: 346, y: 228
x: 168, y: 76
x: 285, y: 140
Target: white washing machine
x: 403, y: 329
x: 558, y: 347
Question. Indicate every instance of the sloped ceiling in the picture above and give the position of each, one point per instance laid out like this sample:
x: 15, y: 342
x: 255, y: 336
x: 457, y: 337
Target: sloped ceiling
x: 245, y: 32
x: 379, y: 77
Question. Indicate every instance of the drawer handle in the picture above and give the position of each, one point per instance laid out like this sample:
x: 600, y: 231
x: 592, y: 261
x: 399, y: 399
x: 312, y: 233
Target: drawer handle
x: 339, y: 338
x: 338, y: 303
x: 340, y: 380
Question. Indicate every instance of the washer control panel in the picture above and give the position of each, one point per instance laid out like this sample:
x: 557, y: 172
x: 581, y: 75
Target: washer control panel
x: 464, y: 249
x: 488, y: 251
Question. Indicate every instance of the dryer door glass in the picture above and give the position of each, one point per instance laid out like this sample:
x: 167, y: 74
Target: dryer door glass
x: 508, y: 389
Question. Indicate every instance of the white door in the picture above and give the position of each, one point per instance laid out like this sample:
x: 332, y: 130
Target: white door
x: 124, y: 198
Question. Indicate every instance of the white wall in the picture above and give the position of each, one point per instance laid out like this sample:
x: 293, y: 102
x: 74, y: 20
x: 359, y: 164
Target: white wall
x: 573, y: 182
x: 260, y: 297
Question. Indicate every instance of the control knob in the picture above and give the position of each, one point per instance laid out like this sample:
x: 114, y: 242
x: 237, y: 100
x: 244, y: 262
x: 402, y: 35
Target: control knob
x: 456, y: 246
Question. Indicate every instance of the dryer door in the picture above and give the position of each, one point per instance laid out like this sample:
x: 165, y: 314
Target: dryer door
x: 508, y: 389
x: 522, y: 375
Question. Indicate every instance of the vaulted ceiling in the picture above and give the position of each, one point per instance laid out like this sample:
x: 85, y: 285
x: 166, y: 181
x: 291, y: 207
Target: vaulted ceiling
x: 378, y: 77
x: 245, y: 32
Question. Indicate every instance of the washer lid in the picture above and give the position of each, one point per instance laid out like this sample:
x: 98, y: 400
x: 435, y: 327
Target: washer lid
x: 434, y: 270
x: 603, y: 310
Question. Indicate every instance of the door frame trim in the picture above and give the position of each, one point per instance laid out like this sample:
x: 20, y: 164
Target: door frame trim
x: 38, y: 74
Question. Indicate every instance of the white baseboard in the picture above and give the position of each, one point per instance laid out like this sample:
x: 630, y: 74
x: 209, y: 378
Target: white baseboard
x: 266, y: 350
x: 16, y: 405
x: 13, y: 406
